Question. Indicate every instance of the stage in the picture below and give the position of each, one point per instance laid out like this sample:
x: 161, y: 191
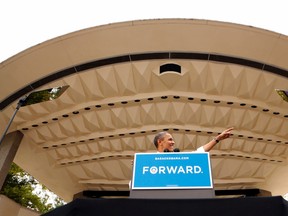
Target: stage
x: 249, y: 206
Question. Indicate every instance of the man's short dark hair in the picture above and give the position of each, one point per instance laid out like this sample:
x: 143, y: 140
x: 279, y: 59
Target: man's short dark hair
x: 159, y: 136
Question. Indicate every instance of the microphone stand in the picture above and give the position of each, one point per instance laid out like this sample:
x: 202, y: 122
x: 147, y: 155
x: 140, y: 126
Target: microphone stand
x: 20, y: 103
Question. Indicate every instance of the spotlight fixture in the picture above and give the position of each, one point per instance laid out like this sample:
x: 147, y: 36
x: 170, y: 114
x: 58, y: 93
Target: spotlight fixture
x: 34, y: 98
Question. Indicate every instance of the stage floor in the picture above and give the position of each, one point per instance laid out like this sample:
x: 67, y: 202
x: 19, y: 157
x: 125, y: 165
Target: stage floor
x: 249, y: 206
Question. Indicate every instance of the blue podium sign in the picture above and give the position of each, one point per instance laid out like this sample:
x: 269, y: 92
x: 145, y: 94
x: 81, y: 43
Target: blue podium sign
x: 172, y: 171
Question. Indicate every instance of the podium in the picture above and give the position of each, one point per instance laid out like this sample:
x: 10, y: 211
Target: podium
x: 172, y: 184
x: 172, y: 175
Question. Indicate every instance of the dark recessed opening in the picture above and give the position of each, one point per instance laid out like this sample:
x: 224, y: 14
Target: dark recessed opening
x: 170, y: 68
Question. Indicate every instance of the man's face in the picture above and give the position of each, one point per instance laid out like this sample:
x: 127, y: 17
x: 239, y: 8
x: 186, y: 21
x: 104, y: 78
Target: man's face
x: 166, y: 143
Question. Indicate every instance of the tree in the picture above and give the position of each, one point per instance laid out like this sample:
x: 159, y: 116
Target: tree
x: 28, y: 192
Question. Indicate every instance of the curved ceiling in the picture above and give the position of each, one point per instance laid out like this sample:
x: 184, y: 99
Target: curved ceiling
x: 219, y: 75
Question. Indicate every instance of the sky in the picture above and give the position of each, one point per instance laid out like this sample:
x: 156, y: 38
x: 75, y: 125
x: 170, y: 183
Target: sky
x: 24, y: 24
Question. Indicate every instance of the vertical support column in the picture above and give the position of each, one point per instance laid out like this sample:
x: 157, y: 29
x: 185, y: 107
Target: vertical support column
x: 8, y: 150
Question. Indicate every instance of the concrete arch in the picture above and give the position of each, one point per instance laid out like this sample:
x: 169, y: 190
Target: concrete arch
x: 117, y: 100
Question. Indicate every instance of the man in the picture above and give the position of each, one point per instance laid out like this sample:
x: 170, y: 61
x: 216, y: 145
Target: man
x: 165, y: 142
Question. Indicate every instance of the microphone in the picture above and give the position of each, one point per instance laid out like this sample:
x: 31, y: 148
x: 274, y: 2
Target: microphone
x: 175, y: 150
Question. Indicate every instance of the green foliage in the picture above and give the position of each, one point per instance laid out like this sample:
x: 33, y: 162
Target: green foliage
x: 44, y: 95
x: 28, y: 192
